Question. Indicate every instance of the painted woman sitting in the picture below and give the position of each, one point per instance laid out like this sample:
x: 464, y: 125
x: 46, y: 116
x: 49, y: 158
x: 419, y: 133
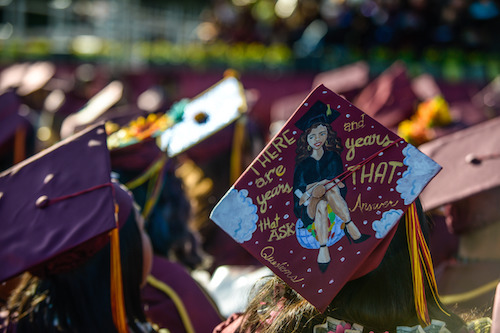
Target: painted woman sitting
x: 316, y: 186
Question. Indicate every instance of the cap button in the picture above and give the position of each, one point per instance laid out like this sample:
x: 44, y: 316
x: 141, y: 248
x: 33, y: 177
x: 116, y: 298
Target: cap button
x: 470, y: 158
x: 201, y: 117
x: 42, y: 201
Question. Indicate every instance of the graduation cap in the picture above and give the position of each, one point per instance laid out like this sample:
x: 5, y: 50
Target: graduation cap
x: 204, y: 115
x: 318, y: 113
x: 459, y: 106
x: 360, y: 178
x: 389, y: 98
x: 136, y: 156
x: 470, y: 160
x: 347, y: 80
x: 59, y: 207
x: 466, y: 193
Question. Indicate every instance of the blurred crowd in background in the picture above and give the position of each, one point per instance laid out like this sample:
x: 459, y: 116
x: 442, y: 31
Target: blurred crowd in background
x: 455, y: 39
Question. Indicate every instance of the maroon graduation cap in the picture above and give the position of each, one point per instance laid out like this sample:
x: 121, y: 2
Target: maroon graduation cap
x: 389, y: 98
x: 59, y: 207
x: 319, y: 205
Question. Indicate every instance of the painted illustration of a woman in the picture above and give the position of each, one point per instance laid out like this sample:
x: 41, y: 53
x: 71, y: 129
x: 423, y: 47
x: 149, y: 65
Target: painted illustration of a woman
x: 318, y: 163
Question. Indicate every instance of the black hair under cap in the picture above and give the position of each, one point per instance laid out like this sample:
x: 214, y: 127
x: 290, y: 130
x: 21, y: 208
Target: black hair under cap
x: 318, y: 113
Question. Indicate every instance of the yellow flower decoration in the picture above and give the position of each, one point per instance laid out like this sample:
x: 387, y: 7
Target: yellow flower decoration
x: 432, y: 113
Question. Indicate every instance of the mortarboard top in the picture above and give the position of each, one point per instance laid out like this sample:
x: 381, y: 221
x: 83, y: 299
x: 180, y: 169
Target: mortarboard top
x: 389, y: 98
x: 204, y: 115
x: 464, y: 108
x: 93, y: 109
x: 380, y: 172
x: 319, y: 112
x: 133, y: 145
x: 470, y: 160
x: 346, y: 80
x: 57, y: 200
x: 136, y: 156
x: 425, y: 87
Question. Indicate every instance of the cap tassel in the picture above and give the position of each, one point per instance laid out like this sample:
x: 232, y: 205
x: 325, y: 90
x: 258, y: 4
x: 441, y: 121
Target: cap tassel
x: 117, y: 299
x: 154, y: 189
x: 238, y: 138
x: 420, y: 257
x: 19, y: 145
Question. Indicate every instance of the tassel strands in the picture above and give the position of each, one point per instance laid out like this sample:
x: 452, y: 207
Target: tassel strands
x: 117, y: 299
x: 421, y: 262
x: 236, y: 150
x: 154, y: 174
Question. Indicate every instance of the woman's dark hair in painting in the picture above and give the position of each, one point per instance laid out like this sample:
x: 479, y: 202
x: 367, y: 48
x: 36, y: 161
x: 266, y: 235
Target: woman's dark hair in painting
x: 333, y: 142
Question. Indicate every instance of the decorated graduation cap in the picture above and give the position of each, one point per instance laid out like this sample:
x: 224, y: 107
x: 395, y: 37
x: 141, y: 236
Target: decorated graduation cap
x: 319, y: 205
x: 136, y: 156
x: 204, y: 115
x: 59, y: 207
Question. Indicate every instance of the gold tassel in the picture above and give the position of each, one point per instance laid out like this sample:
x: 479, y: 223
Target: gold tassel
x: 117, y: 299
x: 153, y: 170
x: 426, y: 259
x: 153, y: 175
x: 416, y: 268
x: 238, y: 137
x: 420, y: 257
x: 19, y: 145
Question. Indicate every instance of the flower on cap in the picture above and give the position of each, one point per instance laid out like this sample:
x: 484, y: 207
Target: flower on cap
x: 431, y: 113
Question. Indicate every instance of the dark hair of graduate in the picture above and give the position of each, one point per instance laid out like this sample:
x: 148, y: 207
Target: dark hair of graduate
x: 167, y: 224
x: 333, y: 143
x: 79, y: 300
x: 379, y: 301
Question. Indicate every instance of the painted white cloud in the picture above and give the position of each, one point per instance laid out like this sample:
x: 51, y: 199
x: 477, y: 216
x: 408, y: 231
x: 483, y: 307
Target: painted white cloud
x: 388, y: 220
x: 237, y: 215
x: 421, y: 169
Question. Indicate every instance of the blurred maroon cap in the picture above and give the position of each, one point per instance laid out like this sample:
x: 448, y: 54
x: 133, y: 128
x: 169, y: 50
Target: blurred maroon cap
x: 389, y: 98
x: 57, y: 200
x: 136, y: 157
x: 470, y: 179
x: 347, y: 80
